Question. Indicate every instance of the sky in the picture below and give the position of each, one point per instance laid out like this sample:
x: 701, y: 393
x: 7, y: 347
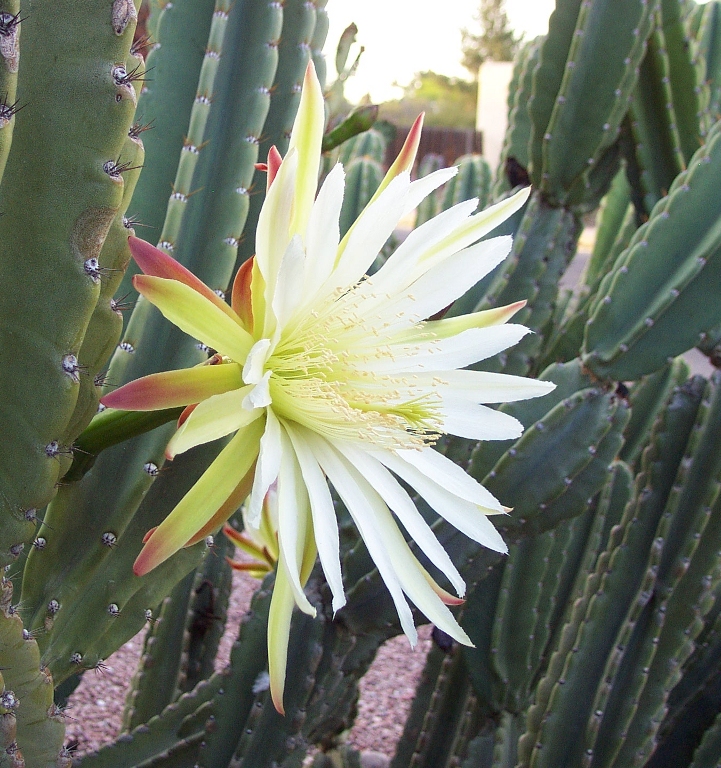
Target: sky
x: 402, y: 37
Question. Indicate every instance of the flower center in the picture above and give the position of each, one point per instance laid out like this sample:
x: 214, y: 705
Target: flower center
x: 318, y: 380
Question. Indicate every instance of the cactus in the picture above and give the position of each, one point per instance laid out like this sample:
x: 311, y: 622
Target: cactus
x: 597, y: 639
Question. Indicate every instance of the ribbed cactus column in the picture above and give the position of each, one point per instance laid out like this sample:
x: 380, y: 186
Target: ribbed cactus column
x: 61, y: 189
x: 204, y: 219
x: 9, y: 64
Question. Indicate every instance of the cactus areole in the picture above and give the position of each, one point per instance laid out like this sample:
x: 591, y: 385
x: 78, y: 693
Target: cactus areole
x: 326, y: 375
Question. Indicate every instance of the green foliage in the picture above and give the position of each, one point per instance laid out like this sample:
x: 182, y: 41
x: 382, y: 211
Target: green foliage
x: 496, y: 41
x: 447, y: 101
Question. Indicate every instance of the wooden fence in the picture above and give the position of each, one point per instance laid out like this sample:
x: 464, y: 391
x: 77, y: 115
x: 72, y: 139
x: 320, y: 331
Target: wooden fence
x: 449, y: 142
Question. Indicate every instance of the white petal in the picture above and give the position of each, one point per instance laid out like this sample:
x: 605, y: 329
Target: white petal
x: 372, y: 228
x: 266, y: 470
x: 288, y: 292
x: 444, y: 283
x: 293, y: 514
x: 486, y: 221
x: 325, y: 525
x: 452, y: 276
x: 323, y: 233
x: 402, y: 505
x: 259, y: 396
x: 477, y: 422
x: 272, y: 234
x: 413, y: 580
x: 255, y: 362
x: 401, y: 269
x: 445, y: 354
x: 447, y: 474
x: 467, y: 517
x: 485, y: 387
x: 360, y: 508
x: 421, y: 188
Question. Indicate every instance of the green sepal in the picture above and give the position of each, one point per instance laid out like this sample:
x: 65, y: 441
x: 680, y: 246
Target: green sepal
x: 109, y: 428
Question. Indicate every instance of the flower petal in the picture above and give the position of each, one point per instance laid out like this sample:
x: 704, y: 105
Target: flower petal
x: 359, y: 507
x: 287, y: 294
x: 174, y: 388
x: 254, y: 366
x: 414, y: 579
x: 259, y: 396
x: 267, y: 469
x: 403, y: 164
x: 293, y: 520
x: 273, y: 231
x: 306, y: 137
x: 366, y: 238
x: 446, y: 473
x: 227, y: 508
x: 323, y: 232
x: 405, y: 566
x: 421, y: 188
x: 279, y: 616
x: 203, y: 500
x: 445, y: 354
x: 468, y: 517
x: 477, y: 422
x: 485, y: 387
x: 402, y: 268
x: 195, y: 315
x: 154, y: 262
x: 325, y: 525
x: 450, y: 326
x: 484, y: 222
x: 274, y: 161
x: 443, y: 284
x: 213, y: 418
x: 241, y: 298
x: 402, y: 505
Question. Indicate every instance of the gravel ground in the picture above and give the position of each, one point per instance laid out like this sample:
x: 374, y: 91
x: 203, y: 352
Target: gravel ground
x: 386, y: 691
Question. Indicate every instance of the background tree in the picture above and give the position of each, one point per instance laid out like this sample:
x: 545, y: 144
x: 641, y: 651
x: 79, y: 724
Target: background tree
x: 447, y: 102
x: 496, y: 41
